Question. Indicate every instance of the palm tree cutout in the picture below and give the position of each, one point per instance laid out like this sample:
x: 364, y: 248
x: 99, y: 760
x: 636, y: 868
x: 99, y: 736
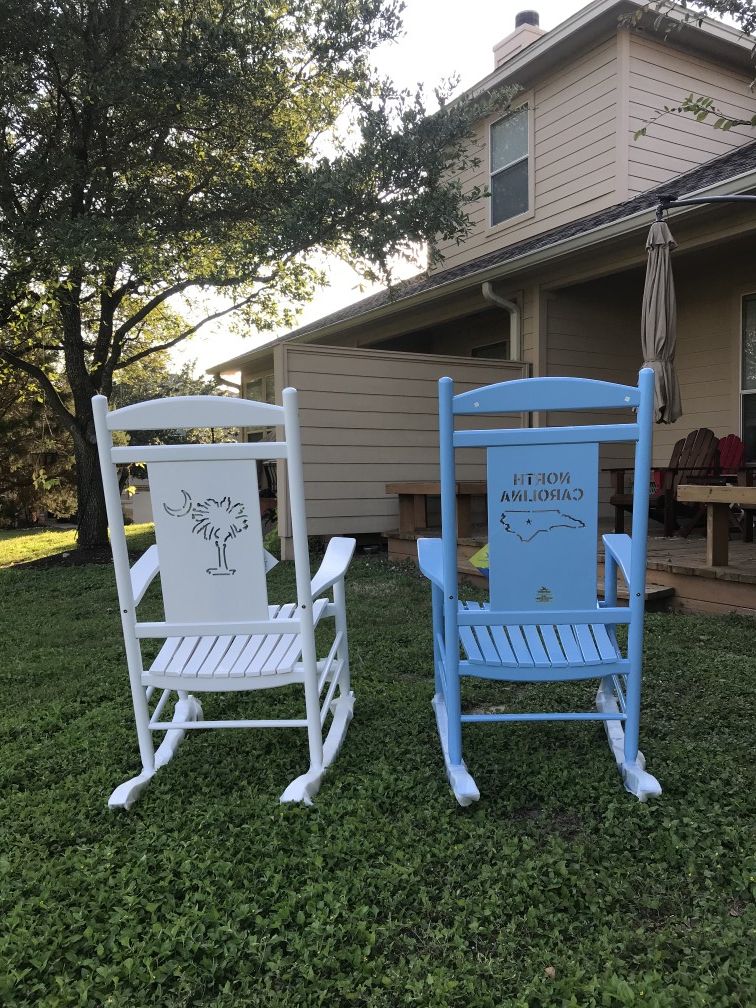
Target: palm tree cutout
x: 216, y: 521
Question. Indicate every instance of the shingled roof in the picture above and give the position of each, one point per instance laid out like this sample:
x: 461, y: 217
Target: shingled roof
x: 728, y: 166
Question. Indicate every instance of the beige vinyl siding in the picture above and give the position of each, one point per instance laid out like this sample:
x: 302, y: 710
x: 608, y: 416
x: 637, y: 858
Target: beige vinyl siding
x: 574, y: 126
x: 662, y: 75
x: 368, y: 418
x: 708, y: 344
x: 592, y: 331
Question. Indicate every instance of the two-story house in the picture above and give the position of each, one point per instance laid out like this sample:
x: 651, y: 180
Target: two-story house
x: 550, y: 280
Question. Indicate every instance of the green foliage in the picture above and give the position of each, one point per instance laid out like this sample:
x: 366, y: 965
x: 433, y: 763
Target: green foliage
x: 36, y: 462
x: 558, y: 889
x: 153, y: 153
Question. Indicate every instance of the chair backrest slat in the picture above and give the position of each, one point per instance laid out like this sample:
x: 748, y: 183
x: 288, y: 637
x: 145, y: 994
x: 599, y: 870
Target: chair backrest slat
x: 183, y: 412
x: 244, y: 452
x: 585, y: 434
x: 536, y: 394
x: 697, y: 457
x: 731, y: 454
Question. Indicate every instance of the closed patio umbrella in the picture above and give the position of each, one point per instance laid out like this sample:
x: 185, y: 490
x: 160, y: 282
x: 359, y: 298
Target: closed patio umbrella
x: 659, y: 323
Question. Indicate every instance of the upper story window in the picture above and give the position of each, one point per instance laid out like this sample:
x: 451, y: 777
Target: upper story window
x: 748, y: 377
x: 509, y: 166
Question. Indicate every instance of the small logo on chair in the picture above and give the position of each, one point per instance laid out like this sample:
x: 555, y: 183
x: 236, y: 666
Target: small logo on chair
x: 217, y: 521
x: 544, y: 594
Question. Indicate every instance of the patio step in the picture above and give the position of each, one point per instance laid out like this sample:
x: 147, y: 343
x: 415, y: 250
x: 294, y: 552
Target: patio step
x: 657, y: 596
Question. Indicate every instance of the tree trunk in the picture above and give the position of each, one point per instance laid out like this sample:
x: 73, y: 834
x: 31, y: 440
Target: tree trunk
x: 93, y: 521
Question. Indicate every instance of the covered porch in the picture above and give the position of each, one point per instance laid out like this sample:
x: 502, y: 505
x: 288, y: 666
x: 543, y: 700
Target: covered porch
x: 678, y: 577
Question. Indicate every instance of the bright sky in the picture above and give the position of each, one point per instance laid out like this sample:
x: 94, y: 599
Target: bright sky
x: 442, y: 38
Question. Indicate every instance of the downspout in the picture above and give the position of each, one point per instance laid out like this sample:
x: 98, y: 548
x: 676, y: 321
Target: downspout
x: 515, y: 347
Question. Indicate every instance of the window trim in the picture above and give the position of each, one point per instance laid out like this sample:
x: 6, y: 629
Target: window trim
x: 525, y: 101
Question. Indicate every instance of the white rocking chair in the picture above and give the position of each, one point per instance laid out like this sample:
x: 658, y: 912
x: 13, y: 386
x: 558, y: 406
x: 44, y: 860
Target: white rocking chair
x: 220, y: 633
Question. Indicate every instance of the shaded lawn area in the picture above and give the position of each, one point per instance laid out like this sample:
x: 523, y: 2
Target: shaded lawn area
x: 557, y: 889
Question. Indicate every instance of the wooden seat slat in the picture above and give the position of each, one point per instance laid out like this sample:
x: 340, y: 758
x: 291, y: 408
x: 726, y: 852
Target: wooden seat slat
x: 553, y: 647
x: 200, y: 653
x: 519, y: 646
x: 503, y: 646
x: 604, y: 643
x: 182, y: 655
x: 571, y: 649
x: 535, y: 644
x: 235, y: 657
x: 211, y: 665
x: 165, y: 654
x: 587, y: 644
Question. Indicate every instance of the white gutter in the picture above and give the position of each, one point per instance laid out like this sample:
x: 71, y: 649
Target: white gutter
x: 515, y: 343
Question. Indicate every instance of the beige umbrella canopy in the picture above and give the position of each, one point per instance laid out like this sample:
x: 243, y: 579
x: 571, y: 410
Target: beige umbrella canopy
x: 659, y: 323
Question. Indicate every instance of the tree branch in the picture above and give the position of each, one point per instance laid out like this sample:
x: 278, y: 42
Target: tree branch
x: 186, y: 333
x: 51, y: 393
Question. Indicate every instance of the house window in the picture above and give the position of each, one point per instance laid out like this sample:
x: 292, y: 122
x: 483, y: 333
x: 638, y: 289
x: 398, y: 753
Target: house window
x: 748, y: 377
x: 260, y: 389
x: 509, y: 166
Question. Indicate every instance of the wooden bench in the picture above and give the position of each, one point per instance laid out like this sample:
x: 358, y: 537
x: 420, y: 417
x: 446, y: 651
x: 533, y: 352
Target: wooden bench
x: 413, y: 504
x: 718, y: 500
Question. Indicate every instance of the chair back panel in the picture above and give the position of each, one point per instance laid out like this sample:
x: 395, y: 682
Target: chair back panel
x: 731, y: 454
x: 697, y: 457
x: 209, y: 537
x: 543, y: 526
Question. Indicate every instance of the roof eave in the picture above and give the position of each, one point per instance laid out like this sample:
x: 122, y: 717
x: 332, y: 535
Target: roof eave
x: 601, y: 233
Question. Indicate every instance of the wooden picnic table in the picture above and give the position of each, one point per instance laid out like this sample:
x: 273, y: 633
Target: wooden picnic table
x: 413, y: 504
x: 717, y: 500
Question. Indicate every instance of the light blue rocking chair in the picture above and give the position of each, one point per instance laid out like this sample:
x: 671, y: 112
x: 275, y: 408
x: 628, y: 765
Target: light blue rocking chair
x: 543, y: 621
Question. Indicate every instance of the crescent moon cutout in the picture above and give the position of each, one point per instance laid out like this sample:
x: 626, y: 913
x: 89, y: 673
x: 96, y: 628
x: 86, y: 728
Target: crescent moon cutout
x: 183, y: 509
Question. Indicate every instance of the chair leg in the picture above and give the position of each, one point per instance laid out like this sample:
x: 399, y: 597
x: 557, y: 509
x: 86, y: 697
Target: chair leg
x: 187, y: 708
x: 446, y: 704
x: 623, y: 742
x: 324, y: 751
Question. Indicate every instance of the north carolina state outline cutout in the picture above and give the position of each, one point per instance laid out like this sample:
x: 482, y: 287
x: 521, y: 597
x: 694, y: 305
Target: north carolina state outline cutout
x: 526, y: 524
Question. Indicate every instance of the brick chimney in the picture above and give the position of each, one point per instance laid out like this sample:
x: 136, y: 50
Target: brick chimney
x: 526, y: 31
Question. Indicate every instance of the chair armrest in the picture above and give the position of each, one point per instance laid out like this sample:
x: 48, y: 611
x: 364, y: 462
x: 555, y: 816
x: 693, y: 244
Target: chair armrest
x: 616, y: 469
x: 142, y: 573
x: 618, y: 545
x: 334, y: 565
x: 429, y: 557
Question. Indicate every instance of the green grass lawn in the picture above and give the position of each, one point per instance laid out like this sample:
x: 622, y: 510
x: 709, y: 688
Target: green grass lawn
x: 556, y: 889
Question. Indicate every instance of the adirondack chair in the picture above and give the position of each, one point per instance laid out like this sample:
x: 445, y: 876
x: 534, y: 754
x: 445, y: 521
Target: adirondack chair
x: 220, y: 632
x: 693, y: 459
x: 543, y: 622
x: 729, y: 462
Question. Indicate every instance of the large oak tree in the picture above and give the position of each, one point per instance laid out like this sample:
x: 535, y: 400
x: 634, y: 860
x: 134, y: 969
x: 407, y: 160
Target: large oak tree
x: 153, y: 151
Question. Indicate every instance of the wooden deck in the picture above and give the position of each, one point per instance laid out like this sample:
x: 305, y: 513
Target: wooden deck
x: 681, y: 564
x: 676, y: 563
